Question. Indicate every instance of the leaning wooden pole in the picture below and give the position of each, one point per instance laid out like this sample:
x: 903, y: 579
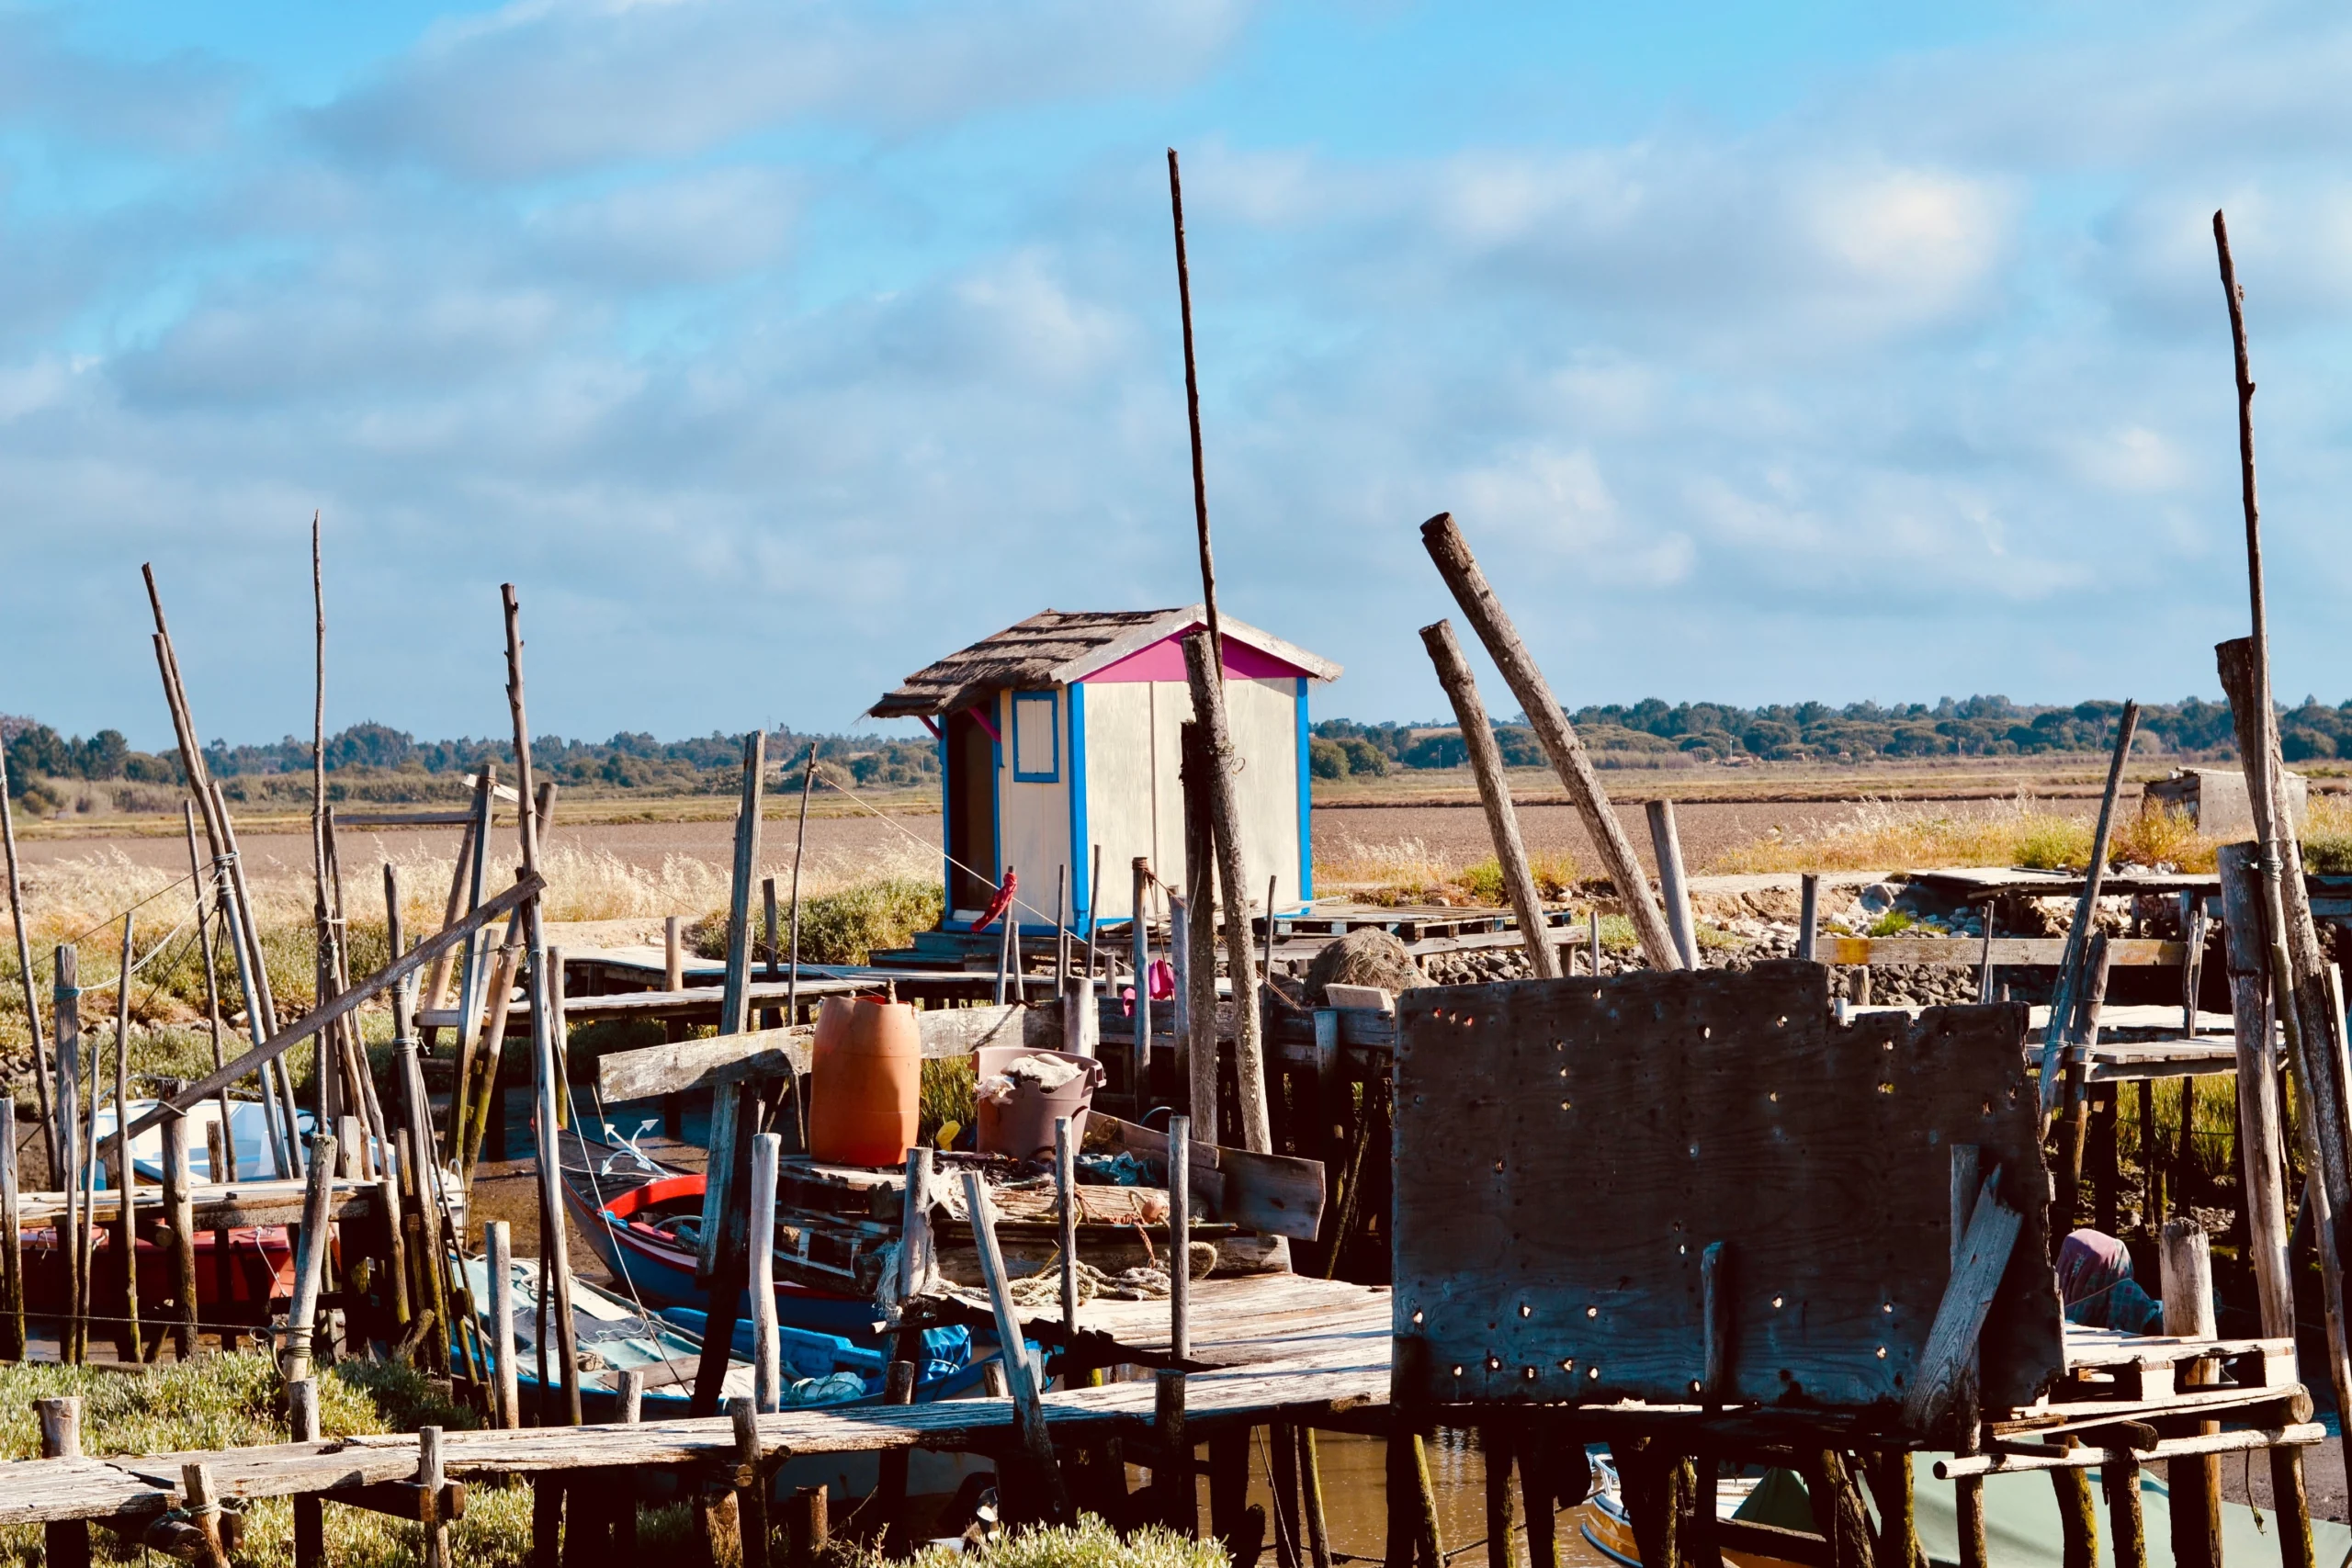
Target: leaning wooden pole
x: 126, y: 1175
x: 555, y: 1251
x: 1451, y: 551
x: 2262, y: 1147
x: 25, y: 973
x: 1233, y: 882
x: 2065, y: 1002
x: 1192, y: 414
x: 327, y: 965
x: 1453, y: 673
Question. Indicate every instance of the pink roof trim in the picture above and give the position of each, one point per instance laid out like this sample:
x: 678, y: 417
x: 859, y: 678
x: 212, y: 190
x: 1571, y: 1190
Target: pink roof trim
x: 1164, y: 660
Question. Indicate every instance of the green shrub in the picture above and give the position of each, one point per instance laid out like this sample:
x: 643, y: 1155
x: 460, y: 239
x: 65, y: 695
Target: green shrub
x: 845, y: 926
x: 1090, y: 1543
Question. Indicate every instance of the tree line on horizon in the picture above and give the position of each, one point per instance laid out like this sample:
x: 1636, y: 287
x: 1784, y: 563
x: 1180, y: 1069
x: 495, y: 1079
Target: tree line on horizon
x: 1653, y: 733
x: 1648, y: 733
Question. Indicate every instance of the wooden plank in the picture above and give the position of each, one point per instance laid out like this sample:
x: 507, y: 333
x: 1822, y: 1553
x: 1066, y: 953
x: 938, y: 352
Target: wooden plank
x: 1984, y: 1252
x: 1673, y: 1110
x: 2294, y: 1434
x: 403, y: 819
x: 348, y: 1002
x: 1968, y: 951
x: 769, y: 1053
x: 1273, y: 1194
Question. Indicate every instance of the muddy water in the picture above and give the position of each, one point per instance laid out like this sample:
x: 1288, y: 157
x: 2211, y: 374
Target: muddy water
x: 1355, y: 1509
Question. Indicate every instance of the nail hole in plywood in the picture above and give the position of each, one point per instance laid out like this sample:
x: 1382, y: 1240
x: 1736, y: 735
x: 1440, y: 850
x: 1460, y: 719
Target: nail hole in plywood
x: 1776, y: 1304
x: 1418, y: 1316
x: 1526, y: 1311
x: 1494, y: 1363
x: 1569, y: 1365
x: 1592, y: 1373
x: 1592, y: 1312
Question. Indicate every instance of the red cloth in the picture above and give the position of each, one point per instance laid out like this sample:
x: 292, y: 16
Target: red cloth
x: 1000, y: 903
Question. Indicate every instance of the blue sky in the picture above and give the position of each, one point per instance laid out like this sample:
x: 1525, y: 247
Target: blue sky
x: 1766, y: 353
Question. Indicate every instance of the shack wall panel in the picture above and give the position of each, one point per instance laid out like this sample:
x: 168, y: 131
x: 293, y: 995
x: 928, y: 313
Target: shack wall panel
x: 1566, y: 1150
x: 1035, y: 816
x: 1119, y: 762
x: 1264, y: 718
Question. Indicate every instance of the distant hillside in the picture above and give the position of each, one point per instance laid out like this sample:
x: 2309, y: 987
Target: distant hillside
x: 1652, y: 730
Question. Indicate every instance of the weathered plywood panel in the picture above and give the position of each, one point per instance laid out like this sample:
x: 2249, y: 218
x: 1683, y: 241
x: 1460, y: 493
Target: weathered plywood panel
x: 1566, y: 1150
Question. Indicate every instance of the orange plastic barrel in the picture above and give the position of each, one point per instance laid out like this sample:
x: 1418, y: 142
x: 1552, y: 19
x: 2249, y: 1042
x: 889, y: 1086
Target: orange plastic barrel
x: 864, y: 1082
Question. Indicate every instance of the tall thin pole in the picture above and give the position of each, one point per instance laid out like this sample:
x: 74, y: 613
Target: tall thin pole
x: 24, y: 971
x: 211, y: 991
x: 2251, y: 503
x: 1193, y: 411
x: 792, y: 979
x: 555, y: 1251
x: 330, y: 1099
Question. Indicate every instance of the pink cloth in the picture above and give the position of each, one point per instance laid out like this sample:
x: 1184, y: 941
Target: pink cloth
x: 2090, y: 1262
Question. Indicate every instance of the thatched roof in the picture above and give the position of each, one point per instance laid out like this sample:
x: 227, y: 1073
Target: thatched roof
x: 1055, y: 648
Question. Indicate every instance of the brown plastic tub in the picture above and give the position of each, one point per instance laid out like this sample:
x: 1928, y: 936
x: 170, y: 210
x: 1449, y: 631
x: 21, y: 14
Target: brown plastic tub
x: 1022, y: 1126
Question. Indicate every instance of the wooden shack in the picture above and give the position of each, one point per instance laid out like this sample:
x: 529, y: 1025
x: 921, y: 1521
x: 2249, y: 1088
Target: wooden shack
x: 1058, y: 736
x: 2216, y: 800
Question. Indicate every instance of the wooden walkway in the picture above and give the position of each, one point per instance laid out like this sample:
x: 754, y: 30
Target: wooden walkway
x: 1267, y: 1348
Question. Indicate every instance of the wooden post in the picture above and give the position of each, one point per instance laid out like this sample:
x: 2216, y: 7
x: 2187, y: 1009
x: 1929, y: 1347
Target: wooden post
x: 1310, y: 1494
x: 674, y: 953
x: 2066, y: 997
x: 1178, y: 1496
x: 890, y: 1483
x: 2187, y: 1280
x: 1197, y: 1072
x: 12, y: 1241
x: 2075, y: 1102
x: 1461, y: 683
x: 1969, y: 1489
x: 1502, y: 1513
x: 734, y: 1008
x: 2077, y: 1520
x: 751, y: 1483
x: 1281, y: 1477
x: 65, y: 1147
x: 792, y: 980
x: 432, y: 1479
x: 1229, y: 1496
x: 1674, y: 888
x: 126, y: 1176
x: 311, y: 1261
x: 1593, y: 934
x: 42, y: 1095
x: 1139, y: 951
x: 771, y: 931
x: 1029, y: 1410
x: 555, y: 1249
x: 2119, y: 1475
x: 66, y: 1542
x: 810, y: 1527
x: 1808, y: 915
x: 1207, y: 682
x: 767, y: 1370
x: 914, y: 1223
x: 2261, y: 1138
x: 506, y: 1403
x: 309, y: 1512
x: 1558, y: 738
x: 1179, y: 1237
x: 1179, y: 1005
x: 1082, y: 1017
x: 203, y: 1506
x: 227, y: 1170
x: 179, y: 1212
x: 546, y: 1523
x: 1984, y: 964
x: 1065, y: 1184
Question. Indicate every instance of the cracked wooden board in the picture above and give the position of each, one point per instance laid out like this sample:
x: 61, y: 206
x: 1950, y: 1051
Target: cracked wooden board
x: 1567, y: 1149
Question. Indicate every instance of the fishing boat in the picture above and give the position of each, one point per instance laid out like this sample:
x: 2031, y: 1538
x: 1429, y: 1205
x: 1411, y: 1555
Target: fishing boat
x: 1609, y: 1528
x: 614, y: 1334
x: 837, y: 1229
